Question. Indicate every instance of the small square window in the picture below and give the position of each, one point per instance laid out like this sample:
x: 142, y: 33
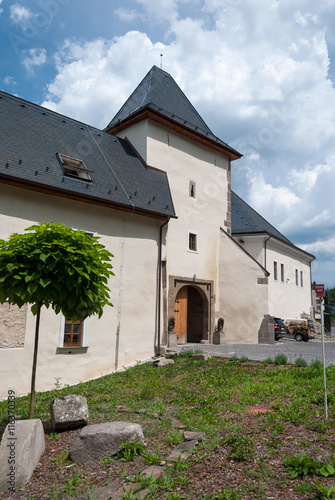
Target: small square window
x: 72, y: 333
x: 192, y: 189
x: 74, y: 168
x: 192, y: 242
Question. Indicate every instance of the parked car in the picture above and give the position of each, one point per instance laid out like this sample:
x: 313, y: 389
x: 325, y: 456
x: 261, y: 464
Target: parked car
x: 297, y: 329
x: 279, y: 328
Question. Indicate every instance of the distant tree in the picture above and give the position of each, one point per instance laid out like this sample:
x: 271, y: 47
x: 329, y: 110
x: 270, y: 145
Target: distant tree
x: 330, y: 303
x: 54, y: 266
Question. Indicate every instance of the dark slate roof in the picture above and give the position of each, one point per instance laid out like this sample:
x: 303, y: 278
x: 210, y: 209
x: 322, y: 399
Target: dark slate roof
x: 31, y: 136
x: 245, y: 220
x: 159, y: 92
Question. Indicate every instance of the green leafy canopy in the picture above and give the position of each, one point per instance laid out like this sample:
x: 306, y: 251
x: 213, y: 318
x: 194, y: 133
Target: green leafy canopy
x: 53, y: 265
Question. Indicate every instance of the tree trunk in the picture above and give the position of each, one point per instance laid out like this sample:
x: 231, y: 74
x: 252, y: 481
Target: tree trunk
x: 33, y: 373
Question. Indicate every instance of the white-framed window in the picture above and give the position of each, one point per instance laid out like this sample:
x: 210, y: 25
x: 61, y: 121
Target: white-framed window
x: 275, y: 270
x: 297, y: 277
x: 192, y: 189
x: 193, y: 243
x: 72, y: 335
x: 282, y: 273
x: 301, y: 279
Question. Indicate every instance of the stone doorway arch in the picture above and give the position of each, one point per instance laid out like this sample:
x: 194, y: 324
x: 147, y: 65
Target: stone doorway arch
x: 191, y: 304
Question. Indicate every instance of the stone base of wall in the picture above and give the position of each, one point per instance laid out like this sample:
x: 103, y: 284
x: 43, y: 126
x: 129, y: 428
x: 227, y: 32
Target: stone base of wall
x: 266, y: 333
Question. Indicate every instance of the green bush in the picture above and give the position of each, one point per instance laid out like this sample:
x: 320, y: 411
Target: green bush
x: 299, y: 363
x: 267, y: 361
x: 280, y: 359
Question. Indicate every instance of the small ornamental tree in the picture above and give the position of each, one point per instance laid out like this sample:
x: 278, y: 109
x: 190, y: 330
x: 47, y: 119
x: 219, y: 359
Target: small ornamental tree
x: 54, y: 266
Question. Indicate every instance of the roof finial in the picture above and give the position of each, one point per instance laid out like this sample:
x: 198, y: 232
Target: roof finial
x: 161, y: 61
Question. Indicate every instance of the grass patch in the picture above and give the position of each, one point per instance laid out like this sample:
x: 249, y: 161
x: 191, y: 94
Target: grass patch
x: 212, y: 397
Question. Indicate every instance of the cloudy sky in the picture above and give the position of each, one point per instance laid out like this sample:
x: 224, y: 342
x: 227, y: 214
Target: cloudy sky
x: 260, y: 72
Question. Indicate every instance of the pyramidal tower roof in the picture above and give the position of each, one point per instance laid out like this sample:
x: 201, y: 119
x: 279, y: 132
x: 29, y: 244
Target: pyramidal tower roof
x: 158, y: 92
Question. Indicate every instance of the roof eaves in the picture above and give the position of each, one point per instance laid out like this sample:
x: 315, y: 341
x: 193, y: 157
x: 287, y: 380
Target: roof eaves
x: 121, y: 124
x: 65, y: 193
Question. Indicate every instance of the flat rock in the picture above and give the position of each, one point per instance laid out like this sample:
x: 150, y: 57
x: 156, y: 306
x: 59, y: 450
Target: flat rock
x: 68, y: 412
x: 154, y: 471
x: 182, y: 451
x: 202, y: 355
x: 21, y: 447
x: 100, y: 440
x: 189, y: 435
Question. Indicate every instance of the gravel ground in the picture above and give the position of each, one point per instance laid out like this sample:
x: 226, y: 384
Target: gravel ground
x: 309, y: 351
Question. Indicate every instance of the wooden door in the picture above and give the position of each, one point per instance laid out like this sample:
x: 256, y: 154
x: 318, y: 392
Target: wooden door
x: 180, y: 315
x: 195, y: 319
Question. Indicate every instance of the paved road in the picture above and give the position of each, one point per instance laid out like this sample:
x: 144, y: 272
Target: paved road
x: 309, y: 351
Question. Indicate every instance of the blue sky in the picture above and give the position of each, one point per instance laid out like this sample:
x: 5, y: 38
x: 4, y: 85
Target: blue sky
x: 260, y: 72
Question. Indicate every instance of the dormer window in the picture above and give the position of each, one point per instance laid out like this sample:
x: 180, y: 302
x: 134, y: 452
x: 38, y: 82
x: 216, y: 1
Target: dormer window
x: 75, y: 168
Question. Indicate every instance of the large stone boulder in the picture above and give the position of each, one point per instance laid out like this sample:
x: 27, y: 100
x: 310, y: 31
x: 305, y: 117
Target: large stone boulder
x: 68, y: 412
x: 100, y: 440
x: 21, y: 447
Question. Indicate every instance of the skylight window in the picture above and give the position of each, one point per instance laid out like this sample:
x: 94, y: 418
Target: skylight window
x: 74, y: 168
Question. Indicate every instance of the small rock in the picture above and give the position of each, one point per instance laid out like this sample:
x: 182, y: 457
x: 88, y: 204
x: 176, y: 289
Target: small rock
x: 189, y: 436
x: 68, y: 412
x: 164, y: 362
x: 182, y: 451
x: 101, y: 493
x: 153, y: 471
x: 202, y: 355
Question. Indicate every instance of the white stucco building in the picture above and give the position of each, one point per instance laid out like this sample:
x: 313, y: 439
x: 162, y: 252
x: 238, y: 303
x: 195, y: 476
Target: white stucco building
x: 155, y: 185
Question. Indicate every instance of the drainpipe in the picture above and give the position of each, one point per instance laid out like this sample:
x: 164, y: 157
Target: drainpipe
x: 265, y: 242
x: 160, y: 286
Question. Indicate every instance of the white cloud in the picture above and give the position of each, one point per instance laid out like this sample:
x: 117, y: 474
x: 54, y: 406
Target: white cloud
x: 126, y: 15
x: 35, y: 57
x: 258, y: 73
x: 1, y: 10
x: 322, y: 247
x: 278, y: 202
x: 20, y: 14
x: 94, y: 79
x: 9, y: 80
